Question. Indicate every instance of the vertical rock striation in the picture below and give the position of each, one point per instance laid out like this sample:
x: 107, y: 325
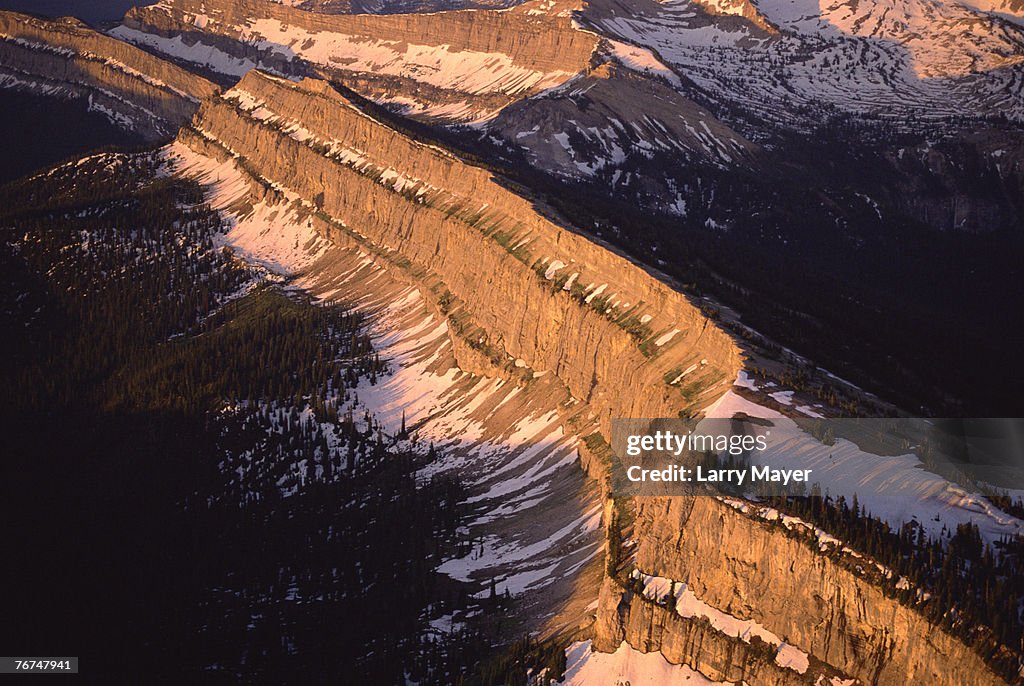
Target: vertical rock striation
x: 515, y: 283
x: 848, y: 625
x: 521, y: 291
x: 454, y: 66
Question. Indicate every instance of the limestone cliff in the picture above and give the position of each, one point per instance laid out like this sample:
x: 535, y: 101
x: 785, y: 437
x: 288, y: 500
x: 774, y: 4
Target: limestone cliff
x: 523, y: 293
x: 64, y: 57
x: 455, y: 66
x: 842, y: 620
x: 742, y: 8
x: 519, y: 287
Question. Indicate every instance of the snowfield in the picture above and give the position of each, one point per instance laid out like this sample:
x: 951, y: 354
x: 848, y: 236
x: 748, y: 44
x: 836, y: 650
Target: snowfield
x: 687, y: 604
x: 880, y: 58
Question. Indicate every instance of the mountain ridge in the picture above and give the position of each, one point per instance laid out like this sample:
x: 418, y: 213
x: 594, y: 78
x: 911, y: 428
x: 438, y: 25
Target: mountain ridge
x: 134, y: 89
x: 519, y: 332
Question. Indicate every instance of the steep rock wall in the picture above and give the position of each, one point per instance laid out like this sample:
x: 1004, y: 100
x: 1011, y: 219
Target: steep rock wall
x: 135, y: 89
x: 496, y: 265
x: 461, y: 66
x: 646, y: 626
x: 816, y: 604
x: 502, y: 269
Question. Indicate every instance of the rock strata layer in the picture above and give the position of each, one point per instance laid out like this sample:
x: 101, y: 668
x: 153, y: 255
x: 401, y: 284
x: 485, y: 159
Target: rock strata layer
x: 135, y: 89
x: 526, y: 295
x: 520, y: 288
x: 454, y: 66
x: 847, y: 625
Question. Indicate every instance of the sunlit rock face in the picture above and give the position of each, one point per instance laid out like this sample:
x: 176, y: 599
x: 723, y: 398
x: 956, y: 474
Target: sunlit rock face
x: 523, y: 279
x: 455, y: 67
x: 518, y: 337
x: 134, y: 89
x: 649, y: 99
x: 766, y: 608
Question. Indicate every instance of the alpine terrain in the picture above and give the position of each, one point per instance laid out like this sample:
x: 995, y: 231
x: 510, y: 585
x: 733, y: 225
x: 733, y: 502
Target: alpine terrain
x: 322, y: 319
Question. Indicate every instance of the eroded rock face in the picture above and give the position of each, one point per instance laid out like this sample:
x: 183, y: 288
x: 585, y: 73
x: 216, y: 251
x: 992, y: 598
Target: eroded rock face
x: 743, y: 567
x: 522, y: 293
x: 516, y: 285
x: 453, y: 66
x: 64, y: 57
x: 648, y: 627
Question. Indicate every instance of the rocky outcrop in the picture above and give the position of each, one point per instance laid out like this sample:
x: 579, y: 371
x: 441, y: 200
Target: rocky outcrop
x: 455, y: 66
x: 845, y: 622
x: 741, y: 8
x: 524, y: 295
x: 623, y: 615
x: 64, y: 57
x: 517, y: 286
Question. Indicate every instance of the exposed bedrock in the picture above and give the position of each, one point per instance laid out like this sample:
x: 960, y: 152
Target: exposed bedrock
x: 517, y: 285
x: 842, y: 620
x: 135, y: 89
x: 459, y: 66
x: 524, y: 295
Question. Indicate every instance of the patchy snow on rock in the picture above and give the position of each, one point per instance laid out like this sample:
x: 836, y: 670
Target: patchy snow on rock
x: 933, y: 58
x: 553, y: 269
x: 438, y: 65
x: 809, y: 411
x: 641, y: 60
x: 275, y: 237
x: 595, y: 293
x: 506, y: 442
x: 666, y: 337
x: 197, y: 53
x: 510, y: 473
x: 687, y: 604
x: 743, y: 380
x: 826, y: 541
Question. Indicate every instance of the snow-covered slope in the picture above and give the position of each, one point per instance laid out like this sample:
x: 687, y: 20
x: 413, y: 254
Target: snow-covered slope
x: 472, y: 287
x: 895, y: 488
x: 622, y: 111
x: 940, y: 38
x: 586, y: 667
x: 797, y: 61
x: 611, y: 93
